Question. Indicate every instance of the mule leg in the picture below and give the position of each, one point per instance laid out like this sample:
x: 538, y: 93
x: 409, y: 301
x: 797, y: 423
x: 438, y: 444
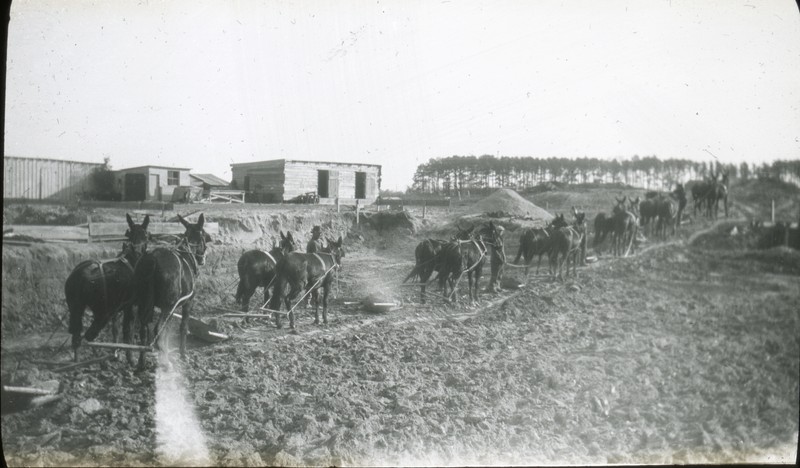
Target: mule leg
x: 127, y: 320
x: 186, y: 309
x: 76, y: 310
x: 144, y: 340
x: 315, y: 297
x: 325, y: 291
x: 247, y: 293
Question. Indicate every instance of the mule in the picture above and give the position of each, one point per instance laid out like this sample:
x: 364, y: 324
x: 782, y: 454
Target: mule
x: 257, y: 270
x: 533, y: 242
x: 104, y: 286
x: 701, y: 194
x: 603, y: 227
x: 625, y: 230
x: 165, y: 278
x: 666, y: 216
x: 648, y: 213
x: 307, y: 272
x: 427, y: 259
x: 718, y: 193
x: 566, y: 245
x: 464, y: 254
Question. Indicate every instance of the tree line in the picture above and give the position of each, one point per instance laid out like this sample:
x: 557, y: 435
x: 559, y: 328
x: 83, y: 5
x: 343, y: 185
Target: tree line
x: 459, y: 173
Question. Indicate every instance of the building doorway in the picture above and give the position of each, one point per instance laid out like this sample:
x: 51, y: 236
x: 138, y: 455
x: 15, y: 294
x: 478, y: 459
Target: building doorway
x: 361, y: 185
x: 135, y: 187
x: 322, y: 183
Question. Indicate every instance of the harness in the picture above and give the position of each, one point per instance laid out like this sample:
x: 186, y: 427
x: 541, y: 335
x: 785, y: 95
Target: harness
x: 269, y: 255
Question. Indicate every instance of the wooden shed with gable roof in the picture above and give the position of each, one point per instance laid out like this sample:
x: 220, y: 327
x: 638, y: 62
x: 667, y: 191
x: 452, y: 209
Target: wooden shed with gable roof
x: 281, y: 180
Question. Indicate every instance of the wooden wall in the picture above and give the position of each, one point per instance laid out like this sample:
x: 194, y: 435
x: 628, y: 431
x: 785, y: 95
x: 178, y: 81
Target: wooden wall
x: 282, y: 180
x: 35, y: 178
x: 301, y: 177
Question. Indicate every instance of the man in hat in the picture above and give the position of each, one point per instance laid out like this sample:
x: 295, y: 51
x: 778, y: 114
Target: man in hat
x: 315, y: 244
x: 498, y: 261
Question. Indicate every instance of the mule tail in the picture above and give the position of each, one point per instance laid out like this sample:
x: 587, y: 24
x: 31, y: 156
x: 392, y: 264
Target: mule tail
x: 414, y: 273
x: 240, y: 291
x: 519, y: 253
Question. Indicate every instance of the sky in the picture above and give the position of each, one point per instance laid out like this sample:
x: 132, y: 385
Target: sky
x: 203, y: 84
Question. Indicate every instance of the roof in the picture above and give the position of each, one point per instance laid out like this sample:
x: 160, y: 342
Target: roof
x: 210, y: 179
x: 155, y: 167
x: 51, y: 159
x: 255, y: 163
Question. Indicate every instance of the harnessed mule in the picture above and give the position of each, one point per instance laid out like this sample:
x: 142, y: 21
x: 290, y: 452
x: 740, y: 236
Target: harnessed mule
x: 306, y: 272
x: 257, y: 269
x: 427, y: 259
x: 567, y: 244
x: 104, y: 286
x: 165, y: 278
x: 464, y: 254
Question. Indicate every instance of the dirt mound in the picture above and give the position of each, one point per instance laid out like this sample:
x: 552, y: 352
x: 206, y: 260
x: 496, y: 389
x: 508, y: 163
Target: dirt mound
x: 508, y: 203
x: 385, y: 220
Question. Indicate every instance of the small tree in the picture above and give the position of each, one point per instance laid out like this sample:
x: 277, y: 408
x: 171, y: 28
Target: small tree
x: 104, y: 183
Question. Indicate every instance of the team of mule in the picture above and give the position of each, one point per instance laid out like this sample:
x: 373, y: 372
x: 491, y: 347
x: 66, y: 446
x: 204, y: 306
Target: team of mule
x: 138, y: 281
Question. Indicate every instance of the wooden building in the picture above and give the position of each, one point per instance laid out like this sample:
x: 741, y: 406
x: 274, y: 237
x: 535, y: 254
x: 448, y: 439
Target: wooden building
x: 151, y: 183
x: 284, y: 179
x: 41, y: 179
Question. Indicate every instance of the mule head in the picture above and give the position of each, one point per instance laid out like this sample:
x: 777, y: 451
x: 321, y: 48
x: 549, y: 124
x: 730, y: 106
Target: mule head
x: 196, y: 238
x: 335, y: 248
x: 463, y: 234
x: 633, y: 206
x: 287, y: 243
x: 137, y: 236
x: 559, y: 222
x: 580, y: 217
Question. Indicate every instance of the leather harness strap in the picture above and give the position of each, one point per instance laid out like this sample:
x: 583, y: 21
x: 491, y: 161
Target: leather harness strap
x: 269, y: 255
x: 324, y: 268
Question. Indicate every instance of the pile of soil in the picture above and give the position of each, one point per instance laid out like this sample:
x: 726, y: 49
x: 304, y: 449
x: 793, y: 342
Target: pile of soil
x: 386, y: 220
x: 508, y: 203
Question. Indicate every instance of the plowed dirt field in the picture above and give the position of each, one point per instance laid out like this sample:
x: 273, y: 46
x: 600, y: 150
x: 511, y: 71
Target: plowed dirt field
x: 680, y: 354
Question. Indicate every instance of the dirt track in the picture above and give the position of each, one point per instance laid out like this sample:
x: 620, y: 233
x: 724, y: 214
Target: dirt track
x: 680, y: 354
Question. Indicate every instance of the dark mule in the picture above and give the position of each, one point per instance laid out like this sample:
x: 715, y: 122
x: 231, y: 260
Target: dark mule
x: 666, y: 214
x: 533, y: 242
x: 104, y: 286
x: 718, y: 193
x: 625, y: 230
x: 701, y: 194
x: 427, y: 261
x: 566, y: 245
x: 165, y: 278
x: 257, y: 269
x: 603, y: 227
x: 464, y: 254
x: 648, y: 212
x: 306, y: 272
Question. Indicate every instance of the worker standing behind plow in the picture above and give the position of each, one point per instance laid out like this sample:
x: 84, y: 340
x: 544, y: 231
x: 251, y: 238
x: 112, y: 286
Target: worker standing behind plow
x: 314, y: 245
x: 498, y: 261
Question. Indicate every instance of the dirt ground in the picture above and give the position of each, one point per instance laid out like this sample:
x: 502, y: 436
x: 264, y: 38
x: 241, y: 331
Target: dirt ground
x: 684, y: 353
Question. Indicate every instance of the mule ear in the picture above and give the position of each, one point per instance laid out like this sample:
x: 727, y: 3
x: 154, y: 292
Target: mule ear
x: 146, y: 222
x: 206, y: 236
x: 574, y: 212
x: 289, y: 236
x: 183, y: 221
x: 200, y: 221
x: 282, y: 236
x: 339, y: 242
x: 130, y: 221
